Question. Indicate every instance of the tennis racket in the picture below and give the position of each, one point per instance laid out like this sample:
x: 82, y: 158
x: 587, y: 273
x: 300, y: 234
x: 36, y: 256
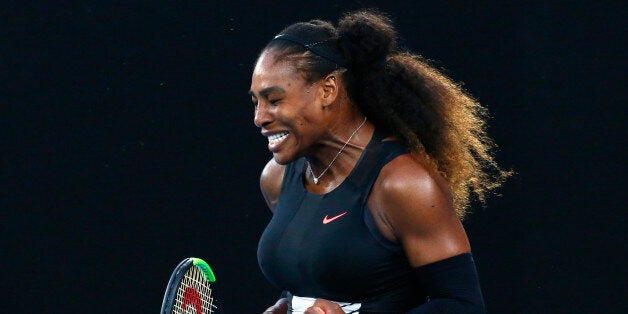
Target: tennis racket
x: 191, y: 289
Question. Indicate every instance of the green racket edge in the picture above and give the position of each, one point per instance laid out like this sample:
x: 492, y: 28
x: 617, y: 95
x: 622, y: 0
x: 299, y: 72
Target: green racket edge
x: 205, y: 269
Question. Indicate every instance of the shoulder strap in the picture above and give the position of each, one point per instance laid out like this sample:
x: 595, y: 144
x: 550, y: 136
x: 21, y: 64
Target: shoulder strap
x: 376, y: 155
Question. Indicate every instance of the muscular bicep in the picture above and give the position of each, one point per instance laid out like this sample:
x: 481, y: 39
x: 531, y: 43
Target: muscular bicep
x: 270, y: 183
x: 419, y: 214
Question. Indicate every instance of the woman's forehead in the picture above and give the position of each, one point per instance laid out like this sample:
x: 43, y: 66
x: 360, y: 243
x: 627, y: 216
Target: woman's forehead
x: 269, y: 71
x: 268, y: 62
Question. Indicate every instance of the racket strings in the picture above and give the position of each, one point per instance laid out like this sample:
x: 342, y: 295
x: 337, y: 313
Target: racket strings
x: 194, y: 278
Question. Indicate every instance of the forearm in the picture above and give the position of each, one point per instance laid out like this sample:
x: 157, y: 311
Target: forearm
x: 452, y: 286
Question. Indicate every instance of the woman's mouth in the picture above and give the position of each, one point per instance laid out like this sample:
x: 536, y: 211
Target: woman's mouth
x: 277, y: 138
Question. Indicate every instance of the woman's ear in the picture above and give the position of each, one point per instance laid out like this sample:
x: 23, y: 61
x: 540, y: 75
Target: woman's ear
x: 330, y: 89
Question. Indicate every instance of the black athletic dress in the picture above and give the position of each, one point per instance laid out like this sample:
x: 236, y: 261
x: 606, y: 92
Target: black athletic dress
x: 328, y: 246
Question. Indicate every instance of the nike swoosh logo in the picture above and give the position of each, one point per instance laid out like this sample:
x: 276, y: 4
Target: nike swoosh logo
x: 327, y: 220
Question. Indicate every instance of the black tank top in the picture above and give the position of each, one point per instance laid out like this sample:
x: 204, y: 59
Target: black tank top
x: 328, y: 246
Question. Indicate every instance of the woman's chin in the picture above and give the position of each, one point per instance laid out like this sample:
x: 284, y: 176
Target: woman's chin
x: 283, y: 159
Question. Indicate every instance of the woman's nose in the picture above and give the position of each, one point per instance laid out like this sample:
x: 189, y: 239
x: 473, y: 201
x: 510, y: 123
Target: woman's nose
x: 262, y: 116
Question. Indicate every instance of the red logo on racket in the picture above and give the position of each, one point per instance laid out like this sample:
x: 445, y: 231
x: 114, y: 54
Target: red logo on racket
x: 190, y: 296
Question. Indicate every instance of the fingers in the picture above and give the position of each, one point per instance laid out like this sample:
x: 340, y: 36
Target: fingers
x: 322, y: 306
x: 314, y: 310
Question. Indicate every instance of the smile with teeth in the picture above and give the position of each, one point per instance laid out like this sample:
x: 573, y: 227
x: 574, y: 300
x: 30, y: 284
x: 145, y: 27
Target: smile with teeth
x: 276, y: 138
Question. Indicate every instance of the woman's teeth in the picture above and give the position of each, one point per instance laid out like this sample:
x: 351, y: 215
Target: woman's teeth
x: 278, y: 137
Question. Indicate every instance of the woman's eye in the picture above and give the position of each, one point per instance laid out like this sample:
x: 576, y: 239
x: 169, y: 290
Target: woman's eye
x: 274, y: 101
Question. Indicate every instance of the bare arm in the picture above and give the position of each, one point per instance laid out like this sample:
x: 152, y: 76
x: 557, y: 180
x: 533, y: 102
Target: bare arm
x: 415, y: 208
x: 270, y: 183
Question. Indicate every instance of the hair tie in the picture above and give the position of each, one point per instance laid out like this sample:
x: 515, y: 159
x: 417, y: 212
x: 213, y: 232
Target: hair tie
x: 353, y: 51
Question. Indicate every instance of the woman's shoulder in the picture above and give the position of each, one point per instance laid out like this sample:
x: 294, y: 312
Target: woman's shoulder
x: 270, y: 182
x: 407, y: 171
x: 407, y: 183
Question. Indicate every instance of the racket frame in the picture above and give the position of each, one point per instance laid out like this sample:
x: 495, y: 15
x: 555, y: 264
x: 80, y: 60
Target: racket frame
x: 177, y: 276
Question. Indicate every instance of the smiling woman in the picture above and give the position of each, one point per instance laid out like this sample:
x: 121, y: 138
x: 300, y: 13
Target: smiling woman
x: 288, y: 108
x: 374, y: 156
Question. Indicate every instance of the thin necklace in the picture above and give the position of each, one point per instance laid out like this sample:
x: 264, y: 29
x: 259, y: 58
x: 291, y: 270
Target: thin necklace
x: 309, y: 168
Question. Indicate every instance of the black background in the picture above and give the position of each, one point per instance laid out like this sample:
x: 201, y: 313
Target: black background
x: 127, y: 144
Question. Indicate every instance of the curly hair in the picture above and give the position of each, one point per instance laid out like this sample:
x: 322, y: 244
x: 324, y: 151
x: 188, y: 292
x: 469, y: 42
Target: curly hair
x: 399, y: 91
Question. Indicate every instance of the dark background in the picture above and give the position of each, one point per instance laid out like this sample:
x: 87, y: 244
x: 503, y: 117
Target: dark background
x: 127, y: 144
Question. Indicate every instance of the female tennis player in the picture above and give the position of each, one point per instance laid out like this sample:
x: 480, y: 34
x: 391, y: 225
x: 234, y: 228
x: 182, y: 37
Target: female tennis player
x: 375, y: 157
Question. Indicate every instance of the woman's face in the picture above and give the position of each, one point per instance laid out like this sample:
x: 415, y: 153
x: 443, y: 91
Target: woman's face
x: 288, y: 109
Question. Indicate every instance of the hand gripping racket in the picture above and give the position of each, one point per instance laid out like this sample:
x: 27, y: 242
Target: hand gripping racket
x: 191, y: 289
